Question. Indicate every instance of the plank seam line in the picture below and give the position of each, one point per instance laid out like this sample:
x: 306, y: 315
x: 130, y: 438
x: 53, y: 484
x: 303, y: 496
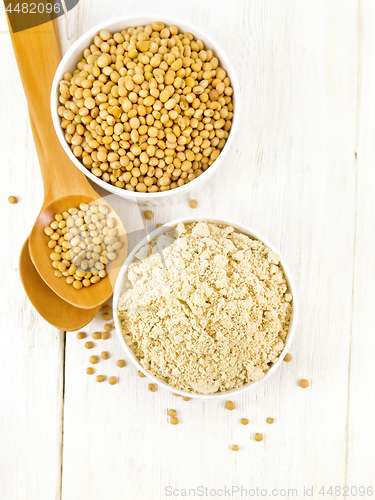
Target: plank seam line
x: 358, y: 113
x: 62, y: 419
x: 78, y: 17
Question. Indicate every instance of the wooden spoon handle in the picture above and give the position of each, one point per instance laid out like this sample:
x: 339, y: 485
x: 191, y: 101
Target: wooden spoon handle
x: 38, y: 54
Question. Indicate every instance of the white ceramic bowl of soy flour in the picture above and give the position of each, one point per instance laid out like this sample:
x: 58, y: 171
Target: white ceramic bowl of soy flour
x: 205, y: 308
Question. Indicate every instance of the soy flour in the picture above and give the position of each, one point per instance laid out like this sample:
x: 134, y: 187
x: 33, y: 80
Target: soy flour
x: 206, y: 309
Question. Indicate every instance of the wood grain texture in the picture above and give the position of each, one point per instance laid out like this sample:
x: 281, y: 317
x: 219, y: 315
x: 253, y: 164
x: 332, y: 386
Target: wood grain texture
x: 307, y: 76
x: 292, y: 178
x: 361, y: 413
x: 31, y: 370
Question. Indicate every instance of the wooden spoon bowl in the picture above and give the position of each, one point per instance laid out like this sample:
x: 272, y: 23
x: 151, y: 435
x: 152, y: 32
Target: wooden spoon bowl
x: 50, y: 306
x: 85, y: 298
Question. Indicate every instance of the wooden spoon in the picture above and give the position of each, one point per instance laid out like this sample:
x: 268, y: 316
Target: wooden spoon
x: 50, y: 306
x: 37, y: 53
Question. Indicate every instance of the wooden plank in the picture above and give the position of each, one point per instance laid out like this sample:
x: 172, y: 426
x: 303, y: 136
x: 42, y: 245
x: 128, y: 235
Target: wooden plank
x: 361, y: 415
x: 31, y: 369
x: 291, y: 177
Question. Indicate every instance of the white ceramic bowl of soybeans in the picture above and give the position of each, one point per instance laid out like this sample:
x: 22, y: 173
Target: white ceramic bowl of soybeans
x: 152, y: 121
x: 122, y: 285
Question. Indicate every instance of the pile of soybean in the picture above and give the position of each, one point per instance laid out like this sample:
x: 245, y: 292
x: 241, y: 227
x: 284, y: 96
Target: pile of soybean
x: 82, y: 240
x: 147, y: 109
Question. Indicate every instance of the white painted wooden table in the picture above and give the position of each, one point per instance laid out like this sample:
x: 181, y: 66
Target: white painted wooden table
x: 301, y: 173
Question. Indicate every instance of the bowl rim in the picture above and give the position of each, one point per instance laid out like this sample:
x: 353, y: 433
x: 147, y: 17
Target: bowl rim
x: 240, y: 228
x: 142, y: 19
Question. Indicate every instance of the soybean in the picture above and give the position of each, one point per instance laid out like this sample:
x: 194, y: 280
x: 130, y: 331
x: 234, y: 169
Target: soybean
x: 229, y: 405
